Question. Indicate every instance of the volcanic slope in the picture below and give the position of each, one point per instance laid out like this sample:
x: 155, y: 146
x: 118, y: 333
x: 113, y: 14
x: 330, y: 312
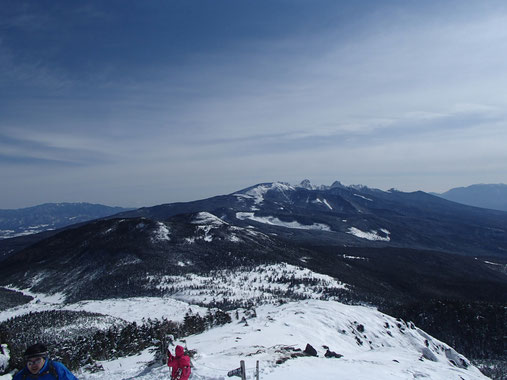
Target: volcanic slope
x: 354, y: 216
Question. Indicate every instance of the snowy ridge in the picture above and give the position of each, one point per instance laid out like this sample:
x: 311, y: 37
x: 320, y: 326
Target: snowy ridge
x: 271, y: 220
x: 264, y: 283
x: 257, y: 193
x: 360, y: 196
x: 208, y: 218
x: 373, y: 345
x: 207, y: 222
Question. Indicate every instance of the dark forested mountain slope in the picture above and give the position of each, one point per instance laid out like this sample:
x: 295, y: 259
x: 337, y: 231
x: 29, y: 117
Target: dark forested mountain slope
x: 342, y: 216
x: 357, y: 216
x: 115, y: 257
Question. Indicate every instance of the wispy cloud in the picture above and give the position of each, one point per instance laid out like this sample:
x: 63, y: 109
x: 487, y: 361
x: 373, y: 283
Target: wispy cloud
x: 379, y: 95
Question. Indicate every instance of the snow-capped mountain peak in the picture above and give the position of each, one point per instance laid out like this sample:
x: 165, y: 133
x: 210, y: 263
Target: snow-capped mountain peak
x: 305, y: 184
x: 258, y: 192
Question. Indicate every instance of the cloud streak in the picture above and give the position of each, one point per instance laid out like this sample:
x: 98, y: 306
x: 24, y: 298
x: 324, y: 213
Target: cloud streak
x: 406, y: 95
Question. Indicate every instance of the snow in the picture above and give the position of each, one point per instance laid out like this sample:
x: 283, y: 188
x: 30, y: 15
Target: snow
x: 138, y: 308
x: 323, y: 323
x: 208, y: 218
x: 324, y: 201
x: 129, y: 367
x: 390, y: 349
x: 492, y: 263
x: 161, y: 233
x: 360, y: 196
x: 234, y: 239
x: 257, y: 193
x: 4, y: 357
x: 264, y: 283
x: 206, y: 222
x: 130, y: 309
x: 7, y: 234
x: 271, y: 220
x: 109, y: 230
x: 373, y: 345
x: 327, y: 204
x: 354, y: 257
x: 206, y: 233
x: 372, y: 235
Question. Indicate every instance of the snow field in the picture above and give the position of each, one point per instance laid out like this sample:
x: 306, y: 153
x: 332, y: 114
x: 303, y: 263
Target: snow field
x: 129, y: 309
x: 323, y: 323
x: 271, y: 220
x: 264, y: 283
x: 372, y: 235
x: 373, y: 345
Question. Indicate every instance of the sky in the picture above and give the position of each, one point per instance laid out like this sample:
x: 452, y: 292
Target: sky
x: 138, y: 103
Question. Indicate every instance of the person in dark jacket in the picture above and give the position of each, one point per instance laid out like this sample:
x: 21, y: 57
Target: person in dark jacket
x: 180, y: 364
x: 39, y: 366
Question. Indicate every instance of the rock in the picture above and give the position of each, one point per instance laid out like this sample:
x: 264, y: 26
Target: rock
x: 332, y: 354
x: 310, y: 351
x: 455, y: 358
x: 427, y: 354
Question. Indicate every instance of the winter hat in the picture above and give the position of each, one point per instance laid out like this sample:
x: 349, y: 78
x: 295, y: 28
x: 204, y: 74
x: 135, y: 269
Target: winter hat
x: 37, y: 350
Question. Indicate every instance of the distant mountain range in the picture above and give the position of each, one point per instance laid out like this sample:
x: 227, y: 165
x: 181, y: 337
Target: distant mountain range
x: 50, y: 216
x: 352, y: 216
x: 492, y: 196
x: 414, y: 255
x: 265, y: 223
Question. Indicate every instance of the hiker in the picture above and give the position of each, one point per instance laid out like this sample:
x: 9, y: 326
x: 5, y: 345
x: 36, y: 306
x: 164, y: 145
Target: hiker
x: 180, y: 364
x: 39, y: 366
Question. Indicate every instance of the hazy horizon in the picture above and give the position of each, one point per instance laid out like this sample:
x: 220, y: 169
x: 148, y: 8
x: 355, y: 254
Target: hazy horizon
x: 226, y: 193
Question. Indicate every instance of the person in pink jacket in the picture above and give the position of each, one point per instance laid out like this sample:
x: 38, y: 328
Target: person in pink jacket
x: 180, y: 364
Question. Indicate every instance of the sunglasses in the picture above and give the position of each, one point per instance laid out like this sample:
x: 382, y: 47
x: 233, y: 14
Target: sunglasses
x: 34, y: 361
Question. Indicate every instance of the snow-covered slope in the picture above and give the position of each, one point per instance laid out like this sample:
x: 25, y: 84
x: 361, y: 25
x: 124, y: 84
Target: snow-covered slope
x: 257, y: 285
x: 260, y: 284
x: 373, y: 345
x: 129, y: 309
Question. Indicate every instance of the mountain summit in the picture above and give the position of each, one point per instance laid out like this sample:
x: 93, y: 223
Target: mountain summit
x: 352, y: 216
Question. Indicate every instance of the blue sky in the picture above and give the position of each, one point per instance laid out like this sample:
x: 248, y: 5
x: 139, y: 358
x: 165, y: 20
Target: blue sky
x: 137, y: 103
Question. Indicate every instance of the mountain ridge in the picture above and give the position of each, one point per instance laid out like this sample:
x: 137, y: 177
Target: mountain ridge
x: 365, y: 242
x: 413, y: 220
x: 491, y: 196
x: 50, y: 216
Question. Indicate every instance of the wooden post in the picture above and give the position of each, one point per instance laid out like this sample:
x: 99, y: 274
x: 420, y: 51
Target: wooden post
x: 243, y: 371
x: 257, y: 370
